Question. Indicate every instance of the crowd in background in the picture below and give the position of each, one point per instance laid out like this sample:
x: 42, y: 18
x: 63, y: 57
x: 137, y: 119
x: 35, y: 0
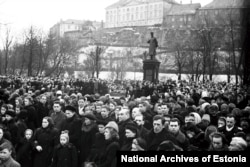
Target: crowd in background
x: 72, y: 123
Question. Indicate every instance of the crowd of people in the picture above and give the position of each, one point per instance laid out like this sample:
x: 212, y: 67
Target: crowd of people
x: 75, y: 123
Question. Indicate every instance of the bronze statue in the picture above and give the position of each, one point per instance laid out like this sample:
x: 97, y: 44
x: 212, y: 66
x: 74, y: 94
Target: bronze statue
x: 153, y: 44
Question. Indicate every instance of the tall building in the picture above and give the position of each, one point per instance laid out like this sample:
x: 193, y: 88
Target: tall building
x: 181, y: 16
x: 137, y: 12
x: 73, y: 27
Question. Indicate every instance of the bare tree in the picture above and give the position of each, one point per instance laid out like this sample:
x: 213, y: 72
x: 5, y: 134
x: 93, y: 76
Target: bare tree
x: 6, y: 49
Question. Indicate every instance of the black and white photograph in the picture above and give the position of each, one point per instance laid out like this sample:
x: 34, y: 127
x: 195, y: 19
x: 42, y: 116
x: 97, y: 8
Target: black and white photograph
x: 110, y: 83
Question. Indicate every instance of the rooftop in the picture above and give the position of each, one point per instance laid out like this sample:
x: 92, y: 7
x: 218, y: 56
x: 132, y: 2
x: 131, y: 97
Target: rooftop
x: 215, y: 4
x: 183, y: 9
x: 122, y: 3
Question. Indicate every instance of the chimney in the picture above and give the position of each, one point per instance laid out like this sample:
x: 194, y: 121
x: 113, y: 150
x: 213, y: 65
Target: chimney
x: 191, y: 2
x: 181, y: 2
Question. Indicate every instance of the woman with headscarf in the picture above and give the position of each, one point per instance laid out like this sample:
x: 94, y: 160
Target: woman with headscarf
x: 45, y: 138
x: 108, y: 158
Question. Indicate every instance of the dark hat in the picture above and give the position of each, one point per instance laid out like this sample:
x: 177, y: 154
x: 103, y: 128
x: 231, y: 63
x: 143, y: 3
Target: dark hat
x: 132, y: 127
x: 168, y: 145
x: 101, y: 122
x: 5, y: 145
x: 70, y: 108
x: 11, y: 113
x: 90, y: 116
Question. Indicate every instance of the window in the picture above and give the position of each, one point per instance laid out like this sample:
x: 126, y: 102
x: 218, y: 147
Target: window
x: 216, y: 12
x: 189, y: 19
x: 205, y: 12
x: 180, y: 26
x: 172, y: 26
x: 181, y: 19
x: 172, y: 19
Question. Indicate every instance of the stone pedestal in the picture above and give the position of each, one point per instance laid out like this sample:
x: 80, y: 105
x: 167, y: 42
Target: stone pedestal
x: 151, y: 70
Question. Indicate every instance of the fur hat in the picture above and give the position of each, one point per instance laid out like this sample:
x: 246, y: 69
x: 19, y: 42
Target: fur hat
x: 112, y: 124
x: 70, y: 108
x: 90, y: 116
x: 132, y: 127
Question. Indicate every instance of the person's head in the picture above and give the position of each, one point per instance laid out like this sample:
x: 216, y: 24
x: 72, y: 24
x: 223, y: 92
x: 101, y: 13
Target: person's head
x: 5, y: 151
x: 70, y: 111
x: 230, y: 121
x: 43, y: 99
x: 57, y: 106
x: 10, y: 115
x: 209, y: 131
x: 47, y: 122
x: 135, y: 111
x: 213, y: 109
x: 244, y: 124
x: 28, y: 134
x: 64, y: 137
x: 164, y: 109
x: 123, y: 114
x: 81, y: 102
x: 217, y: 140
x: 158, y: 123
x: 237, y: 144
x: 167, y: 118
x: 131, y: 131
x: 4, y: 108
x: 101, y: 126
x: 111, y: 131
x: 221, y: 122
x: 105, y: 111
x: 98, y: 108
x: 152, y: 34
x: 189, y: 119
x: 142, y: 106
x: 139, y: 144
x: 27, y: 101
x: 224, y: 109
x: 112, y: 106
x: 89, y: 118
x: 174, y: 125
x: 139, y: 119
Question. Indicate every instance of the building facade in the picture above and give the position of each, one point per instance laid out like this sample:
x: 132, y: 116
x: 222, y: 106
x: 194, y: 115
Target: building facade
x: 74, y: 27
x: 137, y: 12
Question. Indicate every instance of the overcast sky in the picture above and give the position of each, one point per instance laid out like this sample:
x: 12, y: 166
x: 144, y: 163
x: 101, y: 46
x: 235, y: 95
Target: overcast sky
x: 21, y: 14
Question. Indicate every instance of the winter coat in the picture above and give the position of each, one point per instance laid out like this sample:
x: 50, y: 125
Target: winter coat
x: 47, y: 138
x: 13, y: 129
x: 73, y: 125
x: 127, y: 144
x: 42, y: 111
x: 58, y: 118
x: 98, y: 148
x: 64, y: 156
x: 31, y: 117
x: 108, y: 158
x: 87, y: 140
x: 155, y: 139
x: 25, y: 153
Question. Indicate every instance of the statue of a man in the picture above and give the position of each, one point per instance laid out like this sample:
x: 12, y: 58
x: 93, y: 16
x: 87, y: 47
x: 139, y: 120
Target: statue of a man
x: 153, y: 44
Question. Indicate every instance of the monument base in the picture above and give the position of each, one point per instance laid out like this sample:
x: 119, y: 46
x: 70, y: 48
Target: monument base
x: 151, y: 70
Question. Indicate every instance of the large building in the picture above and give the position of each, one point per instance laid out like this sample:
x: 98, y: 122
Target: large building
x: 137, y: 12
x: 72, y: 27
